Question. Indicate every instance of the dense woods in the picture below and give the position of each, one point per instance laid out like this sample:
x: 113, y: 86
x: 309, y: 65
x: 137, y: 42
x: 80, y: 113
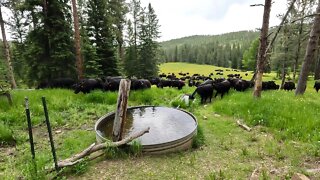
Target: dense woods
x: 50, y: 41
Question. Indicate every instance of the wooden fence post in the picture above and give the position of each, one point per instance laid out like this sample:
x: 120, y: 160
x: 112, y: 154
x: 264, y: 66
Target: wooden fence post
x: 120, y: 114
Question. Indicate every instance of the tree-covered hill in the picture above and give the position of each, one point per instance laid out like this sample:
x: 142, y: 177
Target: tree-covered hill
x: 221, y: 50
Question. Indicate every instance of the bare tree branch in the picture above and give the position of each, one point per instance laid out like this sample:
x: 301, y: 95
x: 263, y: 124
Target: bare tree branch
x: 279, y: 27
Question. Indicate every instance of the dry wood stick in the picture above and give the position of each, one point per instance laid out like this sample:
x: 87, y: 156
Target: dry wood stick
x: 245, y: 127
x: 96, y: 147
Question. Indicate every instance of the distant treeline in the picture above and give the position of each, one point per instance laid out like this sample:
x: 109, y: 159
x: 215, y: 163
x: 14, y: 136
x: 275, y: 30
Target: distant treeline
x: 224, y: 50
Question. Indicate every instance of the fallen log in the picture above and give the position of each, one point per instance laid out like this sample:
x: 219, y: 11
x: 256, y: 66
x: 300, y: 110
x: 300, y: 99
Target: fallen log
x: 245, y: 127
x: 75, y: 159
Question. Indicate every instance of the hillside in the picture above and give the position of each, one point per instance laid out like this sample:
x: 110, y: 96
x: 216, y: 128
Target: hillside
x: 240, y: 36
x: 224, y: 50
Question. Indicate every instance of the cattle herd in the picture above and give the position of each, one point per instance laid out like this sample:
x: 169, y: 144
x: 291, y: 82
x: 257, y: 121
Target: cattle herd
x: 206, y: 86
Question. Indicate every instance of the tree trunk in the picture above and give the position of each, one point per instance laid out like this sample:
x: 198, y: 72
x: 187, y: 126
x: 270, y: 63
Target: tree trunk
x: 262, y: 50
x: 7, y: 52
x: 79, y: 62
x: 310, y: 54
x: 297, y: 55
x: 283, y: 75
x: 317, y: 66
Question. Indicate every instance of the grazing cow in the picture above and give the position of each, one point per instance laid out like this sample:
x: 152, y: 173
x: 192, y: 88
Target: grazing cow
x: 67, y: 83
x: 316, y: 85
x: 154, y: 80
x: 112, y: 84
x: 86, y: 85
x: 177, y: 83
x: 208, y: 81
x: 163, y: 75
x: 57, y: 83
x: 205, y: 92
x: 269, y: 85
x: 241, y: 85
x: 230, y: 75
x: 164, y: 83
x: 137, y: 84
x: 183, y: 78
x: 289, y: 86
x: 222, y: 87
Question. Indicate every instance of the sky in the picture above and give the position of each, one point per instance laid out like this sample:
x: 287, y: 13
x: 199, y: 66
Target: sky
x: 180, y: 18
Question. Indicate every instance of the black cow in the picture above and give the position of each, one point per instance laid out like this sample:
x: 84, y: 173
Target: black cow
x: 112, y: 84
x: 222, y: 87
x: 67, y: 83
x: 154, y: 80
x: 205, y: 92
x: 164, y: 83
x: 137, y: 84
x: 289, y: 86
x: 241, y: 85
x: 269, y: 85
x: 317, y: 85
x: 86, y: 85
x: 177, y: 83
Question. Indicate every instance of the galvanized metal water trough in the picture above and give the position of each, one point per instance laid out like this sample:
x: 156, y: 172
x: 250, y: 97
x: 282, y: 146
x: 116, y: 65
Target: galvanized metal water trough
x: 171, y: 129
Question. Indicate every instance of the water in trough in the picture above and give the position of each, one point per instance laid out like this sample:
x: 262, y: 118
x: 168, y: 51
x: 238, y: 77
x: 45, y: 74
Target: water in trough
x: 168, y: 126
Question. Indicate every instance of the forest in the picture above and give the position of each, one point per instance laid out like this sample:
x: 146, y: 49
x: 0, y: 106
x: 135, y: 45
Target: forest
x: 52, y: 39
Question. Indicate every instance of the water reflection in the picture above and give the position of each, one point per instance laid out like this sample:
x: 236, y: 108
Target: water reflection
x: 166, y: 124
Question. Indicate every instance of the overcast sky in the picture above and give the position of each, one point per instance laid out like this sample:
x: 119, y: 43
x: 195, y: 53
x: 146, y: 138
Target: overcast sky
x: 180, y: 18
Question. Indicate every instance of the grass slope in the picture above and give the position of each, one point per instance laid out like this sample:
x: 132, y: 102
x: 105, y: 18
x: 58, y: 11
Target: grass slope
x: 202, y: 69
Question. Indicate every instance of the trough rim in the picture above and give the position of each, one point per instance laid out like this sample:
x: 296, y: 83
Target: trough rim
x: 161, y: 146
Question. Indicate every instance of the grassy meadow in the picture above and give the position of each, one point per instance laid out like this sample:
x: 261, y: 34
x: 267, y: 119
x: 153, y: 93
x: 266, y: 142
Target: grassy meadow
x: 285, y: 138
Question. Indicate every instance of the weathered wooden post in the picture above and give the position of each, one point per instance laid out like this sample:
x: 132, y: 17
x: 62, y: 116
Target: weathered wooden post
x: 120, y: 114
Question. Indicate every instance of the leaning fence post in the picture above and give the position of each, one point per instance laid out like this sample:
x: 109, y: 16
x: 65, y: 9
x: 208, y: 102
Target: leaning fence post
x: 50, y: 133
x: 120, y: 114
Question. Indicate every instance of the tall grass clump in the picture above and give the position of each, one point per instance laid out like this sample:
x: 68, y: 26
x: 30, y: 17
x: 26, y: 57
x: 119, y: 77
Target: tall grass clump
x: 199, y: 139
x: 293, y: 117
x: 144, y: 97
x: 6, y: 135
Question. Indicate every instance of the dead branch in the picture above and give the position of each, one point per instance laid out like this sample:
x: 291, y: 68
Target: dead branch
x: 279, y: 28
x: 245, y: 127
x: 252, y: 5
x: 306, y: 16
x: 96, y: 147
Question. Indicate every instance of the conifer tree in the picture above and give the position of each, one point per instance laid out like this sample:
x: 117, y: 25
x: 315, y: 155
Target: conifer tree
x: 99, y: 27
x: 149, y: 33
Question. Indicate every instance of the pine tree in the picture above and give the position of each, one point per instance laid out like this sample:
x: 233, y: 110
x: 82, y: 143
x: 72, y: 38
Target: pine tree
x: 99, y: 27
x: 249, y: 60
x: 49, y: 51
x: 130, y: 62
x: 118, y: 10
x: 149, y: 46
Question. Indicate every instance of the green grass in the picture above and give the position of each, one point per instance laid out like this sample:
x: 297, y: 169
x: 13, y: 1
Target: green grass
x: 6, y: 135
x: 206, y: 70
x: 289, y: 116
x: 285, y: 135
